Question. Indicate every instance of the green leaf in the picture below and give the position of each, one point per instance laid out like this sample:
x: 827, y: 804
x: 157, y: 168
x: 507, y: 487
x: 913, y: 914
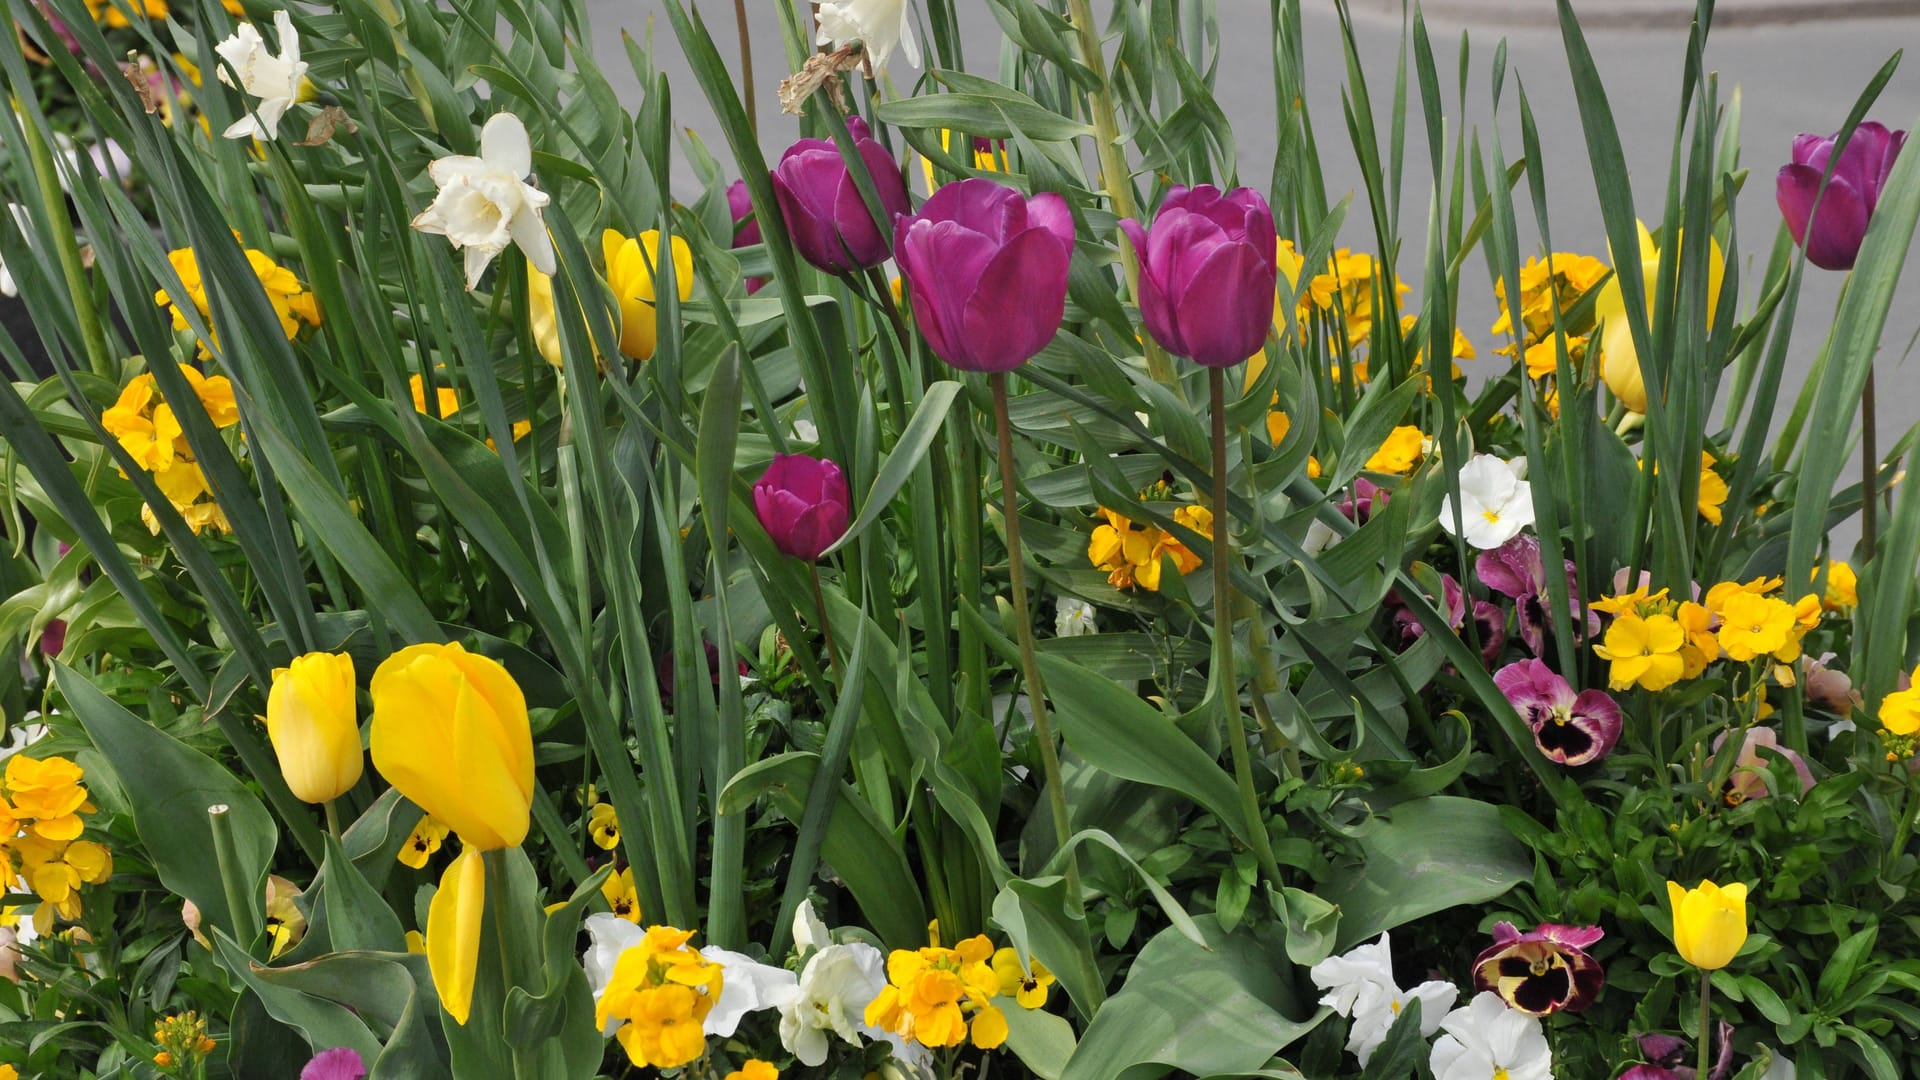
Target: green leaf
x: 1041, y: 1040
x: 995, y: 116
x: 169, y: 786
x: 1433, y: 854
x: 1224, y: 1009
x: 905, y: 457
x: 358, y: 918
x: 1404, y: 1049
x: 1035, y: 915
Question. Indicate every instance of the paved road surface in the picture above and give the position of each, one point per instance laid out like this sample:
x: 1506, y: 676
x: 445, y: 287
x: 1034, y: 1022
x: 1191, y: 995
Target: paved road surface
x: 1798, y: 75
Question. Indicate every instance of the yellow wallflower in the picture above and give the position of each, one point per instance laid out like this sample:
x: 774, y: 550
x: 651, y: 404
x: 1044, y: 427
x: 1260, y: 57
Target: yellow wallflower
x: 661, y: 991
x: 1347, y: 290
x: 1718, y: 595
x: 931, y: 991
x: 1709, y: 922
x: 108, y: 13
x: 1546, y: 284
x: 1399, y: 452
x: 1644, y: 651
x: 631, y: 264
x: 1843, y: 587
x: 755, y: 1069
x: 621, y: 896
x: 1026, y: 985
x: 1131, y: 553
x: 1900, y: 710
x: 1702, y: 647
x: 427, y: 836
x: 148, y: 429
x: 1752, y: 626
x: 1713, y: 490
x: 446, y: 399
x: 291, y: 302
x: 603, y: 824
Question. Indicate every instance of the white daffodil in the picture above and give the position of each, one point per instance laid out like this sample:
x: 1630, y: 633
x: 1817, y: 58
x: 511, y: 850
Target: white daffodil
x: 746, y: 986
x: 1361, y: 986
x: 837, y: 985
x: 1073, y: 618
x: 1485, y: 1039
x: 485, y: 203
x: 878, y: 25
x: 278, y: 81
x: 1495, y: 503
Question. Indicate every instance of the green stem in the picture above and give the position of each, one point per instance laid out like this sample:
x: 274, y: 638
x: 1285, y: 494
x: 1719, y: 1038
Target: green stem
x: 746, y: 68
x: 1114, y: 174
x: 333, y: 819
x: 826, y: 629
x: 1223, y: 594
x: 1706, y: 1022
x: 1023, y: 623
x: 1903, y: 823
x: 67, y: 247
x: 226, y: 854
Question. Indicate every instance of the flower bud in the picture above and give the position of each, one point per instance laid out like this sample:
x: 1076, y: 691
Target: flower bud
x: 802, y: 502
x: 829, y: 221
x: 315, y: 727
x: 1207, y: 273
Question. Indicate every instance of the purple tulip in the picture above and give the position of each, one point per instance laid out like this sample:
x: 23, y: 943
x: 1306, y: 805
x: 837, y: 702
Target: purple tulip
x: 987, y: 269
x: 1542, y: 971
x: 802, y: 503
x: 740, y: 207
x: 1569, y: 728
x: 1367, y: 495
x: 54, y: 637
x: 340, y: 1063
x: 1833, y: 242
x: 1516, y: 569
x: 1207, y: 273
x: 829, y: 221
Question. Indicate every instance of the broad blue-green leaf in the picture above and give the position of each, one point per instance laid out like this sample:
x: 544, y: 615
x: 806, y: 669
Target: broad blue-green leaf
x: 1433, y: 854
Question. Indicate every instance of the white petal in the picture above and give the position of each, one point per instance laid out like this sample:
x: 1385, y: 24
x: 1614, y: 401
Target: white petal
x: 503, y: 143
x: 809, y: 932
x: 746, y: 986
x: 289, y: 37
x: 247, y: 127
x: 534, y: 242
x: 477, y: 260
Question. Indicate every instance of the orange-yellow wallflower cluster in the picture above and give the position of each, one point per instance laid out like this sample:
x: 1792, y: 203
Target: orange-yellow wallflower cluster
x: 1655, y: 641
x: 41, y: 803
x: 1546, y: 285
x: 148, y: 427
x: 1400, y: 452
x: 662, y: 991
x: 291, y: 302
x: 1131, y: 553
x: 184, y: 1043
x: 940, y: 997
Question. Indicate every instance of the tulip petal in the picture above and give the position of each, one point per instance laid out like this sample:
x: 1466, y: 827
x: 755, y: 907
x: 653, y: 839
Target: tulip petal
x: 1833, y: 241
x: 1016, y: 307
x: 1218, y: 324
x: 453, y: 933
x: 1050, y: 212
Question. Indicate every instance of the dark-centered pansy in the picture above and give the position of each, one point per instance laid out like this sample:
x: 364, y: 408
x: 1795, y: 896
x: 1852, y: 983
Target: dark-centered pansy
x: 1542, y: 971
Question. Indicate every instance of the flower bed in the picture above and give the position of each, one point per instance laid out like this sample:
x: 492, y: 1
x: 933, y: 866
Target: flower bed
x: 984, y: 591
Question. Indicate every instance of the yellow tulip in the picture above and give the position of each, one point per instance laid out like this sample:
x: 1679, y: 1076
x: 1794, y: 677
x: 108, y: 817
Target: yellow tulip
x: 1619, y: 357
x: 450, y: 731
x: 315, y: 727
x: 1709, y: 923
x: 631, y: 275
x: 453, y: 932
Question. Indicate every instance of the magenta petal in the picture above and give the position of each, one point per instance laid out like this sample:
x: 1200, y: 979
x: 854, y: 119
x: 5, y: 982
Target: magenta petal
x: 1832, y: 242
x: 1227, y: 306
x: 1579, y: 937
x: 339, y: 1063
x: 1050, y: 212
x: 1016, y: 308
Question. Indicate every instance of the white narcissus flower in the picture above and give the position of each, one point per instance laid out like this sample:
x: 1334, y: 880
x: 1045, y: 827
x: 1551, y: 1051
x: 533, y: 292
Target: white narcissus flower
x: 485, y: 203
x: 1495, y: 504
x: 837, y: 985
x: 1486, y: 1039
x: 1360, y: 985
x: 746, y: 986
x: 1073, y: 618
x: 878, y: 25
x: 278, y: 81
x: 809, y: 932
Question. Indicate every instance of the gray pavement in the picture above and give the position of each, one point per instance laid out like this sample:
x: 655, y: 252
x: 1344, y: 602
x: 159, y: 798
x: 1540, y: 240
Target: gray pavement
x: 1799, y: 65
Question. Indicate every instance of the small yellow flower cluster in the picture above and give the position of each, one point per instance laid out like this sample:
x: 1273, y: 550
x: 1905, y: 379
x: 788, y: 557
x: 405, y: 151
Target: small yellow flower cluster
x: 931, y: 991
x: 184, y: 1043
x: 663, y: 990
x: 1655, y: 641
x: 1711, y: 497
x: 109, y: 14
x: 1131, y: 553
x: 291, y: 302
x: 1400, y: 452
x: 148, y: 428
x: 1346, y: 292
x: 446, y: 402
x: 41, y: 801
x: 1546, y: 285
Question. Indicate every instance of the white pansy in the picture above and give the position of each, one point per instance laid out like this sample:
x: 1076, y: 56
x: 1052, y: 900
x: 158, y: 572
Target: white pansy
x: 1495, y: 504
x: 837, y: 985
x: 1360, y: 985
x: 1485, y: 1039
x: 746, y: 986
x: 21, y: 735
x: 277, y: 81
x: 878, y: 25
x: 1320, y: 536
x: 1073, y: 618
x: 485, y: 203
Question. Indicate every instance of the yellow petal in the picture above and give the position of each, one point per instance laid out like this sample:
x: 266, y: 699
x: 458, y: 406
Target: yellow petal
x: 314, y: 725
x: 453, y: 932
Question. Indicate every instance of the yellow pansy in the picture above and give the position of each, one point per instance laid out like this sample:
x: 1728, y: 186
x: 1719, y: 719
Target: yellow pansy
x: 1644, y: 651
x: 425, y: 839
x: 621, y: 896
x: 603, y: 825
x: 1026, y: 985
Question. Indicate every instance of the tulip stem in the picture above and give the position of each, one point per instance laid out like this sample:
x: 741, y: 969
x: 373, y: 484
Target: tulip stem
x: 333, y: 818
x: 226, y: 855
x: 1869, y: 467
x: 826, y: 629
x: 1023, y: 623
x: 1706, y: 1022
x: 1223, y: 595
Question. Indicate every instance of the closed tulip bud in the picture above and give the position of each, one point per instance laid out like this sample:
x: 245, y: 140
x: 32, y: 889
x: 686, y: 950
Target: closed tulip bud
x: 1207, y: 273
x: 802, y: 502
x: 631, y: 273
x: 1709, y: 923
x: 828, y: 220
x: 740, y: 208
x: 315, y: 727
x: 1619, y: 355
x: 1832, y: 239
x: 987, y: 269
x: 450, y: 731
